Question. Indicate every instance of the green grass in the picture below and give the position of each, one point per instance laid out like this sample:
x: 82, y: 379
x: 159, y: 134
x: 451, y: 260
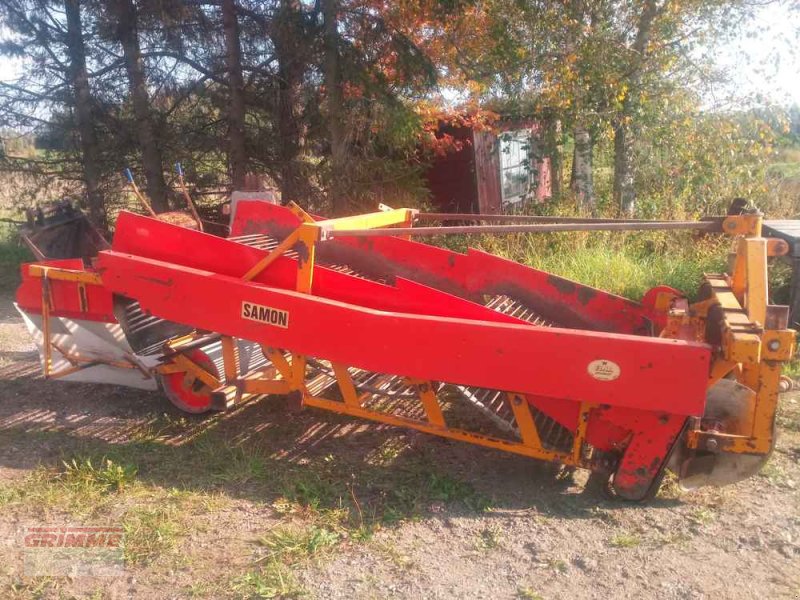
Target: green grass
x: 12, y: 254
x: 489, y: 538
x: 788, y: 417
x: 625, y: 540
x: 285, y: 546
x: 526, y: 593
x: 107, y: 476
x: 273, y: 580
x: 703, y: 516
x: 292, y: 543
x: 623, y: 264
x: 152, y: 530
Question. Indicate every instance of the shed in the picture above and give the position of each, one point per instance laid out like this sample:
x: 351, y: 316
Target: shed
x: 492, y: 170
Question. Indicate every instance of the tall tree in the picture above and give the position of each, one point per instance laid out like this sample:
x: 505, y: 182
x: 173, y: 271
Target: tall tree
x: 127, y: 34
x: 291, y: 50
x: 237, y: 152
x: 582, y: 180
x: 625, y: 122
x: 83, y: 105
x: 335, y: 109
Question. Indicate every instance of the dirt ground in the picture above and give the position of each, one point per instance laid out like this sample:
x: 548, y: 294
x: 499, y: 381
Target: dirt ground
x: 259, y: 503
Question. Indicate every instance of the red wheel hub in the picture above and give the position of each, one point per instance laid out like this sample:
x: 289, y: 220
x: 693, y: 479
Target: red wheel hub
x: 186, y: 391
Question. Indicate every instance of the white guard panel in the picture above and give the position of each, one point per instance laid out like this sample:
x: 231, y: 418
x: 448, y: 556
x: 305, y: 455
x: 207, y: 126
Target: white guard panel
x: 91, y: 340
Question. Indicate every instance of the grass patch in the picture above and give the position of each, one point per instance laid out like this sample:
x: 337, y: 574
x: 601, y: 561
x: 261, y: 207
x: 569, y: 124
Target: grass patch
x: 273, y: 580
x: 153, y: 489
x: 449, y: 489
x: 151, y: 531
x: 80, y: 489
x: 703, y: 516
x: 558, y: 564
x: 12, y: 254
x: 285, y: 546
x: 626, y: 264
x: 489, y: 538
x: 290, y: 544
x: 788, y: 417
x: 625, y: 540
x: 107, y: 476
x: 776, y: 474
x: 101, y: 489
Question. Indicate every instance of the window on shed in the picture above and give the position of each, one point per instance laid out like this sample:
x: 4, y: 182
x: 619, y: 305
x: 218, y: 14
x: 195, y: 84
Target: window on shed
x: 516, y: 168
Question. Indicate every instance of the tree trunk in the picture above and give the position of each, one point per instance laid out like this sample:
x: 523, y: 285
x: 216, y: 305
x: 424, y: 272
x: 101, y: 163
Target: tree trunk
x: 582, y: 181
x: 83, y: 103
x: 237, y: 152
x: 336, y: 115
x: 290, y: 51
x: 624, y: 127
x: 555, y: 150
x: 624, y: 189
x: 146, y: 129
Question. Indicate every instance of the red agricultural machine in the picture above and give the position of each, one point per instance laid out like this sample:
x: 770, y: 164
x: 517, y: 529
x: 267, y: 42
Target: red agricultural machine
x: 352, y: 316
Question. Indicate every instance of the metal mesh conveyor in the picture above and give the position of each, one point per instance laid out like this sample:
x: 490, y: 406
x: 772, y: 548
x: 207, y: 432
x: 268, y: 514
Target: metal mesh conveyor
x: 393, y: 394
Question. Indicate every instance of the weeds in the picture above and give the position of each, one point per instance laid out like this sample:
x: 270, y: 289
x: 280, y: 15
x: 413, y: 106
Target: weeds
x: 789, y: 414
x: 489, y: 538
x: 628, y: 265
x: 79, y: 489
x: 273, y: 580
x: 776, y: 474
x: 625, y: 540
x: 291, y: 544
x: 285, y: 546
x: 703, y: 516
x: 558, y: 564
x: 12, y: 254
x: 526, y: 593
x: 400, y: 559
x: 107, y: 477
x: 150, y: 531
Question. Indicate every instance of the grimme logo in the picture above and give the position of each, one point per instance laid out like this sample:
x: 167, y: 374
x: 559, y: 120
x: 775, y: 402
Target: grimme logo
x: 265, y: 314
x: 72, y: 551
x: 73, y: 537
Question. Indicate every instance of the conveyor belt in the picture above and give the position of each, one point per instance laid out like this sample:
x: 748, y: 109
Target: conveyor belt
x: 378, y: 391
x: 391, y: 393
x: 263, y: 241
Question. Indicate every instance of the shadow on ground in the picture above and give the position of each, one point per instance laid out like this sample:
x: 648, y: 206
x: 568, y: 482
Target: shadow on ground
x: 260, y: 451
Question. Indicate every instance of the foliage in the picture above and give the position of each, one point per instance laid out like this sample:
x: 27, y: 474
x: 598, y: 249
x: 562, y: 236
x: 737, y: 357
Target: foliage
x: 640, y: 67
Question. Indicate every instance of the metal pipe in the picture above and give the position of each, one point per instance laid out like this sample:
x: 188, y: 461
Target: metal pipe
x: 714, y: 224
x: 423, y: 216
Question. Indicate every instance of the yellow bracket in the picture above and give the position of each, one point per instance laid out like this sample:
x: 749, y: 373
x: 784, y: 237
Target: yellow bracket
x: 747, y: 225
x: 230, y: 358
x: 270, y: 258
x: 524, y: 419
x: 397, y: 216
x: 430, y: 402
x: 58, y: 274
x: 186, y: 364
x: 346, y: 386
x: 298, y: 212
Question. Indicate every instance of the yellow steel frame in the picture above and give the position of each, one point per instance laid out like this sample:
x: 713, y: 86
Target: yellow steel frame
x: 750, y: 351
